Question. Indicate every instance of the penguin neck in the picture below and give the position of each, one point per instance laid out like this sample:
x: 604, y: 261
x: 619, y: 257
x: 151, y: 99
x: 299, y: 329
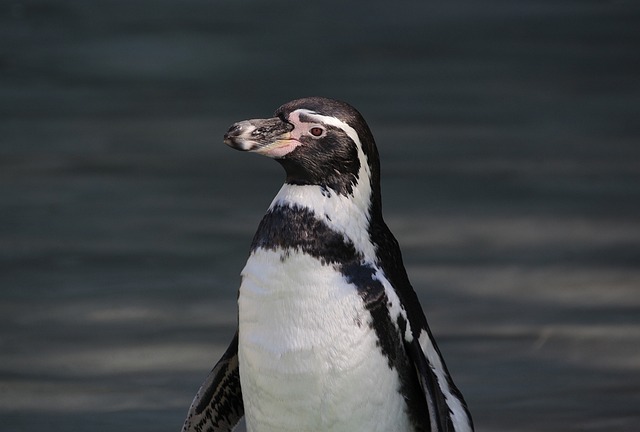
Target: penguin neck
x: 348, y: 215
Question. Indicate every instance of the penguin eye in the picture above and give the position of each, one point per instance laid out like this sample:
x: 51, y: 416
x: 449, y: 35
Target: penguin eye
x: 316, y: 131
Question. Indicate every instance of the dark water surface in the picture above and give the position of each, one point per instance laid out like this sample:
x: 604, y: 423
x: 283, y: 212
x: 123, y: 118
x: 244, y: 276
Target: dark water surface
x: 510, y: 147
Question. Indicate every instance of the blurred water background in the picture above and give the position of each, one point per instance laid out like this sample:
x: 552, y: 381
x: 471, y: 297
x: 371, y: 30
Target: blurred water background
x: 510, y: 141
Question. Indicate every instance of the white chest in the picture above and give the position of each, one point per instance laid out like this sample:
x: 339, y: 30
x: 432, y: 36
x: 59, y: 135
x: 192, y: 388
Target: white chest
x: 308, y: 355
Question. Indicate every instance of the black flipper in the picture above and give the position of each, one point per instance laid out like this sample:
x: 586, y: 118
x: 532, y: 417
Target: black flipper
x: 441, y: 415
x: 436, y: 404
x: 218, y: 406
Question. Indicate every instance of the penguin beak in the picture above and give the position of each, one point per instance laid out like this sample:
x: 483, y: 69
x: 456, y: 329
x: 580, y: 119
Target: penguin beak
x: 270, y: 137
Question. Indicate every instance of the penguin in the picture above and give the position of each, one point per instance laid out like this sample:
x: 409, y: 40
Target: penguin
x: 331, y: 335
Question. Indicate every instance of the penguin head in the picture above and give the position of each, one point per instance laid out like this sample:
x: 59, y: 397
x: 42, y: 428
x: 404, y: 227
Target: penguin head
x: 318, y: 141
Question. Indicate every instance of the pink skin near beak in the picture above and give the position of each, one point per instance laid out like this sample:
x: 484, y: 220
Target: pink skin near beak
x: 288, y: 142
x: 280, y: 147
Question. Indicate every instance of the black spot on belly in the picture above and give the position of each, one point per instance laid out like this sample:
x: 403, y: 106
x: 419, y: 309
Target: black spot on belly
x: 358, y: 320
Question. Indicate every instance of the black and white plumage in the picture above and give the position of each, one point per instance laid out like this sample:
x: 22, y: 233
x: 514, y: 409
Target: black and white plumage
x: 331, y: 335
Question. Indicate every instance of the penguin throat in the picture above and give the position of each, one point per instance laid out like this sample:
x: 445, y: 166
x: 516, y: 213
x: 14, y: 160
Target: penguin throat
x: 340, y: 177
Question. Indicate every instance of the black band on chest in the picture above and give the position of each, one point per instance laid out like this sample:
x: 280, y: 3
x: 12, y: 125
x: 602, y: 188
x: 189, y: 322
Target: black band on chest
x: 297, y: 228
